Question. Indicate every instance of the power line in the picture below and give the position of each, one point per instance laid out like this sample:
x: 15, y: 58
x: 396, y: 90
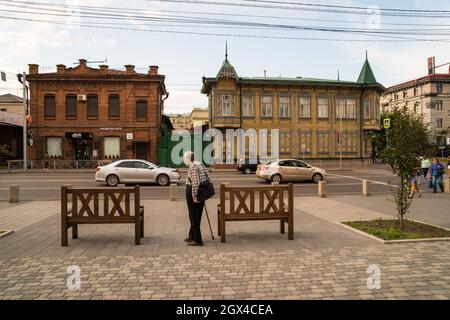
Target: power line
x: 125, y: 10
x: 436, y: 14
x: 230, y: 34
x: 197, y: 20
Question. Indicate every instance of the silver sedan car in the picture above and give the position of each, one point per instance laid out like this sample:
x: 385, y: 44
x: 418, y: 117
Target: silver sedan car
x: 136, y: 171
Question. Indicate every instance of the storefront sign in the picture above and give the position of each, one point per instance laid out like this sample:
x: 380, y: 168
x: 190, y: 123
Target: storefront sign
x: 110, y: 129
x: 77, y: 135
x: 11, y: 118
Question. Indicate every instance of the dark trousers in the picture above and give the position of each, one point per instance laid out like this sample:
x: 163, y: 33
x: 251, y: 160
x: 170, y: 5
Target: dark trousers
x: 425, y: 172
x: 195, y: 216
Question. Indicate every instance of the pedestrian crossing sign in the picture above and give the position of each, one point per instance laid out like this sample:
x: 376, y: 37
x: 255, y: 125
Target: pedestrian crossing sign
x: 387, y: 123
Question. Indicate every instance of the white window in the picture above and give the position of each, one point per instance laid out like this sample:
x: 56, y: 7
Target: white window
x: 111, y: 147
x: 350, y: 108
x: 305, y: 107
x: 368, y: 114
x: 346, y: 108
x: 54, y: 147
x: 284, y: 107
x: 248, y: 109
x: 322, y: 105
x: 227, y: 105
x: 266, y: 106
x: 340, y: 107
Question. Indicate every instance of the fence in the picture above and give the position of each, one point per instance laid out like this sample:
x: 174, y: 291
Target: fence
x: 14, y: 165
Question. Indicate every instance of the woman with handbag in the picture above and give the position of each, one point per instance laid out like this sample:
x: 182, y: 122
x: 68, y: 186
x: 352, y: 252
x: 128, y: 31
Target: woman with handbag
x: 197, y: 178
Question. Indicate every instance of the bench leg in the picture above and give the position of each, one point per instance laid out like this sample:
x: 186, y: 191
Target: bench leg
x: 291, y: 228
x: 218, y: 222
x: 64, y: 236
x: 222, y: 229
x: 282, y: 222
x: 75, y: 231
x: 137, y: 233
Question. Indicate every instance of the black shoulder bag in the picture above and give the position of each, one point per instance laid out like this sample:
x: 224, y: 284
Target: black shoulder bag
x: 206, y: 188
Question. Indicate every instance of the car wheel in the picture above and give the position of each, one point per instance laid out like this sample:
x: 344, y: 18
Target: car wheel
x: 247, y: 171
x: 163, y: 180
x: 317, y: 177
x: 112, y: 180
x: 276, y: 178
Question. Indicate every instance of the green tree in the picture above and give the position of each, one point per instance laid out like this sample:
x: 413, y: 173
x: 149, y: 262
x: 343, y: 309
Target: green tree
x: 401, y: 146
x: 5, y: 152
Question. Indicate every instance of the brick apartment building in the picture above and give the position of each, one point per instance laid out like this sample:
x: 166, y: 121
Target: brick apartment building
x: 84, y: 113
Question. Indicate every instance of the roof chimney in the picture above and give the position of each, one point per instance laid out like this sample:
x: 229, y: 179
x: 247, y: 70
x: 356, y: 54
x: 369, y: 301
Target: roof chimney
x: 129, y: 69
x: 60, y: 68
x: 33, y: 68
x: 153, y: 71
x: 103, y: 69
x: 82, y: 62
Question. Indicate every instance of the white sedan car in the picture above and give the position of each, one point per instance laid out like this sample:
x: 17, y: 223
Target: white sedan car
x: 136, y: 171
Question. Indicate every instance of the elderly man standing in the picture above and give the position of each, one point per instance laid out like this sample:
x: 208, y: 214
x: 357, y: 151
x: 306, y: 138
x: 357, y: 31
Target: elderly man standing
x: 197, y: 174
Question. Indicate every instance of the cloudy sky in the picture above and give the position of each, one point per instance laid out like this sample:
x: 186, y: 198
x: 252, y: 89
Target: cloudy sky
x: 187, y: 39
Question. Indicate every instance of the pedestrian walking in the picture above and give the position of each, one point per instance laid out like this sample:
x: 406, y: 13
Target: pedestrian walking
x: 415, y: 184
x: 437, y: 173
x: 425, y: 165
x: 197, y: 174
x: 373, y: 156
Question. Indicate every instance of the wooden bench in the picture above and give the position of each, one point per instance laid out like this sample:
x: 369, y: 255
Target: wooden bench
x: 87, y: 208
x: 256, y: 203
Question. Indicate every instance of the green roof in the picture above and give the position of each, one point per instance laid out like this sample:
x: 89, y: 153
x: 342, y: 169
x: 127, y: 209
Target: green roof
x: 366, y: 76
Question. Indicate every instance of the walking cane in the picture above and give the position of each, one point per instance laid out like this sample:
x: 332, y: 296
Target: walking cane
x: 209, y: 223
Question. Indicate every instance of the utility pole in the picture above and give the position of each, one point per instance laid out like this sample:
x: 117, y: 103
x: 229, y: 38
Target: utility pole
x: 24, y: 121
x: 340, y: 139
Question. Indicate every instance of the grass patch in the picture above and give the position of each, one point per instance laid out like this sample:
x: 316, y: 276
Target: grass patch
x: 389, y: 229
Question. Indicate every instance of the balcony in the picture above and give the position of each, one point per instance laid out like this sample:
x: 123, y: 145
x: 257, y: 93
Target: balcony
x: 222, y: 122
x: 371, y: 124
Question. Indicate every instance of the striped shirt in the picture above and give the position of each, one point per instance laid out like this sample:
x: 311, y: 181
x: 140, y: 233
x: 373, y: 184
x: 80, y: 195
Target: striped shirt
x: 197, y: 174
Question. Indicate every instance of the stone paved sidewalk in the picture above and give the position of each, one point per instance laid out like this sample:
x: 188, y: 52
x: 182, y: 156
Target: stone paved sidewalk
x: 324, y: 261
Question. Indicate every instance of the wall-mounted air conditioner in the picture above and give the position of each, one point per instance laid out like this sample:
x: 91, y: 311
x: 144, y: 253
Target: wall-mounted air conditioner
x: 81, y: 97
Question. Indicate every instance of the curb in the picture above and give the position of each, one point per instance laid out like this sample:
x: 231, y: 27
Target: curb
x: 6, y: 233
x: 396, y: 241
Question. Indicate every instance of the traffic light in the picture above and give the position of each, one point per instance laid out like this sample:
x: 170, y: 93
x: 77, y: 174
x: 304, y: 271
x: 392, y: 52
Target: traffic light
x: 30, y: 138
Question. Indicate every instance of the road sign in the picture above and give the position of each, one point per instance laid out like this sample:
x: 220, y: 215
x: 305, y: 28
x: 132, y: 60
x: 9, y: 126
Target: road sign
x: 387, y: 123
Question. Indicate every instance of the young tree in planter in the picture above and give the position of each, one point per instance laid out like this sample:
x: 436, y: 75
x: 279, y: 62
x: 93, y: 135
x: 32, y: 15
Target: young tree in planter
x: 400, y: 146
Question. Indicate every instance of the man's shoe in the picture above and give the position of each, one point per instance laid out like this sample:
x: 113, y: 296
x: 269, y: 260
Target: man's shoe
x: 195, y: 244
x: 187, y: 240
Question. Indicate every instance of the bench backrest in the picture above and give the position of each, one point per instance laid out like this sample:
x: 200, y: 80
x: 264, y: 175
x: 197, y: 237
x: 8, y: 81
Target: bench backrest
x: 100, y: 203
x: 257, y: 202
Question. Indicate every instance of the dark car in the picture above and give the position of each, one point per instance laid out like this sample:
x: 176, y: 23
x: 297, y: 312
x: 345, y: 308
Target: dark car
x: 247, y: 166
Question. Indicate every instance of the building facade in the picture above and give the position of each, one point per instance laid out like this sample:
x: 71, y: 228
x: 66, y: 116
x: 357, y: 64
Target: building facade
x: 11, y: 135
x: 11, y: 103
x: 187, y: 121
x: 428, y: 96
x: 84, y: 113
x: 316, y: 118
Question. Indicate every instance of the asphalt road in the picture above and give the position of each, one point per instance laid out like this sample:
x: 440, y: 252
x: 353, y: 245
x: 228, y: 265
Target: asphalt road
x: 46, y: 186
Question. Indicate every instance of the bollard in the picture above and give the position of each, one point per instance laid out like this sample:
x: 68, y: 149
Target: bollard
x: 322, y: 189
x: 447, y: 185
x: 173, y: 192
x: 366, y: 188
x: 14, y: 194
